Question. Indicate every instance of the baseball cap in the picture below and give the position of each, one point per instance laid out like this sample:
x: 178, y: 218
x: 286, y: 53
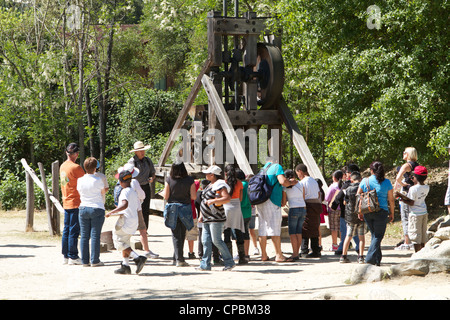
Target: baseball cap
x: 214, y: 170
x: 72, y: 148
x: 420, y: 171
x: 125, y: 176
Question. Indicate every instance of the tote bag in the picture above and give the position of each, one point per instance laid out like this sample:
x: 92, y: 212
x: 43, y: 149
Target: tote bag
x: 367, y: 202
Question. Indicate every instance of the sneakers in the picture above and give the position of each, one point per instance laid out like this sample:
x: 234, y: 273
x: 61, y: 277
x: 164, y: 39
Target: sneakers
x: 404, y: 246
x: 73, y: 262
x: 361, y: 259
x: 100, y: 264
x: 182, y: 264
x: 140, y: 262
x: 191, y: 255
x: 255, y: 252
x: 228, y: 268
x: 151, y: 254
x: 344, y: 259
x: 123, y: 269
x: 334, y: 247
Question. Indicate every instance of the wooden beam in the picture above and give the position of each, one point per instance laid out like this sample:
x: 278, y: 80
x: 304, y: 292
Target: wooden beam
x: 183, y: 114
x: 40, y: 185
x: 254, y: 117
x: 300, y: 144
x: 227, y: 126
x: 47, y: 200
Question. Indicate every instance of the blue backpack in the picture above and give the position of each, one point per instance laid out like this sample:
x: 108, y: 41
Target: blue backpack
x: 259, y: 189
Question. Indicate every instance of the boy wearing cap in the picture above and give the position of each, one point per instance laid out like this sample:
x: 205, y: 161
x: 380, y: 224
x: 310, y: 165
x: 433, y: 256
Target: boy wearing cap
x: 418, y: 215
x: 127, y: 224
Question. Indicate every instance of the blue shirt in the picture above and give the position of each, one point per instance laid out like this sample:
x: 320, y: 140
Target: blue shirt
x: 277, y: 192
x: 381, y: 189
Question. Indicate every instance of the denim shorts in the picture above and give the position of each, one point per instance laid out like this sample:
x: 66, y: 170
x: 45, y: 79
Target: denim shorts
x: 296, y: 217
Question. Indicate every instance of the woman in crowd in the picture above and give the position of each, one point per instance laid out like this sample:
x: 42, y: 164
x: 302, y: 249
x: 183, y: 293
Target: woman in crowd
x: 377, y: 221
x: 235, y: 220
x: 91, y: 213
x: 402, y: 183
x: 179, y: 190
x: 212, y: 215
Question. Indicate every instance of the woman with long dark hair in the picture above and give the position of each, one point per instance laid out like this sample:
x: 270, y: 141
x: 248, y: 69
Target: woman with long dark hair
x: 377, y: 221
x: 179, y: 190
x: 233, y: 212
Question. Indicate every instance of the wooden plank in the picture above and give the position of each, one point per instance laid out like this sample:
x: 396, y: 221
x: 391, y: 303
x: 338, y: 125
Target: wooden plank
x: 55, y: 192
x: 237, y: 26
x: 183, y: 114
x: 30, y: 203
x: 227, y: 126
x: 254, y: 117
x: 40, y: 185
x: 300, y: 144
x: 47, y: 200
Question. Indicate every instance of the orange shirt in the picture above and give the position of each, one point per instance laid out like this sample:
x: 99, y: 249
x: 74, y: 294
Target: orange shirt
x: 69, y: 173
x: 237, y: 190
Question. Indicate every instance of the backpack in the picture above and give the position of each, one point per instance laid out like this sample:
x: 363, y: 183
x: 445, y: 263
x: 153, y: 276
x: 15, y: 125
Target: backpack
x: 259, y: 190
x: 117, y: 189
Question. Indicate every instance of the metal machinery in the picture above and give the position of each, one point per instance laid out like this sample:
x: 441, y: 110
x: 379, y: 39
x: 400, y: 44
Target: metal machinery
x: 244, y: 85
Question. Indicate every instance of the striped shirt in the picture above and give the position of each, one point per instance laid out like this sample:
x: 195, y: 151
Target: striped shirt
x: 211, y: 213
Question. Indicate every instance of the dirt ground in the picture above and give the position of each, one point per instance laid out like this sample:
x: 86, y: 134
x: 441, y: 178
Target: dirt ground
x: 32, y: 269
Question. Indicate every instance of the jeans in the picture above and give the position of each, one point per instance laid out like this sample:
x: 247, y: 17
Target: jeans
x: 178, y: 237
x: 296, y: 217
x: 212, y: 234
x: 91, y: 222
x: 70, y: 234
x: 376, y: 221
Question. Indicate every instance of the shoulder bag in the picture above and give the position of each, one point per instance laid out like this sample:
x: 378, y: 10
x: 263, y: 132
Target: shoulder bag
x: 367, y: 202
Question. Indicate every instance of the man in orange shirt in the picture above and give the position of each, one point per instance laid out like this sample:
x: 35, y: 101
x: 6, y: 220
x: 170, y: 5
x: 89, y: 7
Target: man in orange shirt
x: 69, y: 173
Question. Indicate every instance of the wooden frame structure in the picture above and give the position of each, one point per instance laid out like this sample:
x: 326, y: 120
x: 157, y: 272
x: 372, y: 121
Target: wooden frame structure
x: 244, y: 88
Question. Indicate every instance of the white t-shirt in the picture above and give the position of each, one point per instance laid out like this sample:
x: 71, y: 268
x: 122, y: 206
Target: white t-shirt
x: 105, y: 182
x: 295, y: 196
x: 128, y: 220
x: 90, y: 189
x: 311, y: 186
x: 418, y: 193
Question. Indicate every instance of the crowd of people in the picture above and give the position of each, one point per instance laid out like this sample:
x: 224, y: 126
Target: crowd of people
x: 217, y: 210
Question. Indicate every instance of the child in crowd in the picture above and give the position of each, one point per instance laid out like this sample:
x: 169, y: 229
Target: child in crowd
x: 418, y: 214
x: 355, y: 222
x: 295, y: 196
x: 127, y: 224
x: 334, y: 215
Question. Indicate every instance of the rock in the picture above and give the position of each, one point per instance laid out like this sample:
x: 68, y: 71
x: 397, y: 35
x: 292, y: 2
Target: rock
x: 382, y: 294
x: 445, y: 222
x: 411, y: 268
x: 435, y: 224
x: 436, y: 251
x: 443, y: 233
x: 368, y: 273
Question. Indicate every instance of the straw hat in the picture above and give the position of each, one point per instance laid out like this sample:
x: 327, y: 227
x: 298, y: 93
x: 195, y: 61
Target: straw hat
x: 139, y: 146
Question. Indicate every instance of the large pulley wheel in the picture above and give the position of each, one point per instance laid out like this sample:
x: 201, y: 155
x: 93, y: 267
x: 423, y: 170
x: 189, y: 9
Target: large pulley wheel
x: 270, y: 67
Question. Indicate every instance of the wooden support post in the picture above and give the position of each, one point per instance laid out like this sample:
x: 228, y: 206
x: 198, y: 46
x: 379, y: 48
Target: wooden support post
x: 30, y: 203
x: 47, y: 200
x: 55, y: 192
x: 224, y: 120
x: 300, y: 144
x: 183, y: 114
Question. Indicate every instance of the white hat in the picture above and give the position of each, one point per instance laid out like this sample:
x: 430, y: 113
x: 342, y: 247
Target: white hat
x: 128, y: 167
x: 213, y: 169
x: 139, y: 146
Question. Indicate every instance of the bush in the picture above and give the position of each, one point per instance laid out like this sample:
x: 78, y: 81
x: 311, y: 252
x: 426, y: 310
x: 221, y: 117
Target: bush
x: 13, y: 192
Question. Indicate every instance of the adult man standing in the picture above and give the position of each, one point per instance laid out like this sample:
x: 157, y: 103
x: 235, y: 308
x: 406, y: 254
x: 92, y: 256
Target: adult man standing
x: 269, y: 212
x: 447, y: 194
x: 69, y: 173
x: 146, y: 176
x: 313, y: 209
